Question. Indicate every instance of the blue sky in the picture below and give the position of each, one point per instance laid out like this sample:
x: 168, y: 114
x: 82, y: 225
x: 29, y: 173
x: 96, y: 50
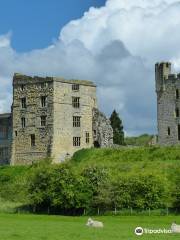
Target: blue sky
x: 35, y: 23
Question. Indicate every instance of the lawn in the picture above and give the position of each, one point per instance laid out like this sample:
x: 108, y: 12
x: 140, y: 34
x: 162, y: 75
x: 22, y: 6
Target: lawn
x: 40, y: 227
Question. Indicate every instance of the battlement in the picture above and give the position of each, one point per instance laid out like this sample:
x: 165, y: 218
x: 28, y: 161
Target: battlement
x: 162, y: 72
x: 24, y: 79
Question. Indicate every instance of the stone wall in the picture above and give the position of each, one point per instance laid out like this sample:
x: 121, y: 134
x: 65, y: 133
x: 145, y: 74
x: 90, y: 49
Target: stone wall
x: 167, y: 103
x: 64, y: 131
x: 102, y: 130
x: 5, y: 138
x: 55, y: 139
x: 31, y: 88
x: 46, y: 128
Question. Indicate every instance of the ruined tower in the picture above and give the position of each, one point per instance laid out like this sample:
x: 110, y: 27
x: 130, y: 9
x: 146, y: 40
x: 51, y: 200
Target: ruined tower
x: 54, y: 117
x: 168, y: 104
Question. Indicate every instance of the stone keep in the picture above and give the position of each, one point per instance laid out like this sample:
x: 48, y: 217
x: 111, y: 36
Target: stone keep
x: 168, y: 104
x: 53, y: 117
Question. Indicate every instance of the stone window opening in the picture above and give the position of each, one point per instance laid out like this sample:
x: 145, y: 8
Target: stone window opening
x: 16, y: 133
x: 87, y: 137
x: 23, y: 122
x: 43, y: 85
x: 43, y: 101
x: 23, y: 102
x: 177, y: 112
x: 177, y: 93
x: 22, y: 87
x: 179, y: 132
x: 76, y: 141
x: 75, y: 87
x: 95, y: 134
x: 76, y: 121
x: 96, y: 144
x: 33, y: 140
x: 43, y: 121
x: 169, y: 131
x: 76, y: 102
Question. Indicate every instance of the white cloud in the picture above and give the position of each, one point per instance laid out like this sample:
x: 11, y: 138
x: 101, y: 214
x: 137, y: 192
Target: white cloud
x: 116, y: 46
x: 5, y: 40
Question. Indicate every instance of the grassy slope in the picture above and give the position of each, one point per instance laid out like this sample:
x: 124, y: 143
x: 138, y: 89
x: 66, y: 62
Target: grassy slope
x: 158, y: 159
x: 126, y: 160
x: 34, y: 227
x: 142, y: 140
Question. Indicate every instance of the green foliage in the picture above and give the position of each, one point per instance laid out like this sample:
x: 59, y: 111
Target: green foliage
x: 118, y: 133
x: 138, y: 178
x: 38, y: 182
x: 68, y: 190
x: 142, y: 140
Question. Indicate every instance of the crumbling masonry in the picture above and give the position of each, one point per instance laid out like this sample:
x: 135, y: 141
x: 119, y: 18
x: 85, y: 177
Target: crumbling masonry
x: 51, y: 117
x: 168, y: 104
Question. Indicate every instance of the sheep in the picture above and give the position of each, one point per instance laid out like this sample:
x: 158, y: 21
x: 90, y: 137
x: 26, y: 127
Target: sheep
x: 92, y: 223
x: 175, y: 228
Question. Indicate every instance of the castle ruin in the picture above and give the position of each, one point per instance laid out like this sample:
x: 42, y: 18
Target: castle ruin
x: 51, y: 117
x: 168, y: 104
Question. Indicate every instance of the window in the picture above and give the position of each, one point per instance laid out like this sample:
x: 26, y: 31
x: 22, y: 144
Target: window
x: 3, y: 132
x: 75, y: 87
x: 177, y: 93
x: 22, y: 87
x: 43, y: 101
x: 23, y: 122
x: 76, y: 121
x: 87, y: 137
x: 169, y: 131
x: 16, y: 133
x: 33, y: 140
x: 95, y: 134
x: 75, y: 102
x: 43, y: 121
x: 76, y: 141
x: 43, y: 85
x: 23, y: 102
x: 179, y: 132
x: 177, y: 112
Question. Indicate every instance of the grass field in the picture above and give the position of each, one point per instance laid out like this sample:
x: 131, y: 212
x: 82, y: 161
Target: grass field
x: 40, y: 227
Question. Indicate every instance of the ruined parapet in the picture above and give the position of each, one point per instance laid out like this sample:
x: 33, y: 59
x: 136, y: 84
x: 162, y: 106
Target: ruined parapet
x: 162, y: 72
x: 168, y: 104
x: 102, y: 130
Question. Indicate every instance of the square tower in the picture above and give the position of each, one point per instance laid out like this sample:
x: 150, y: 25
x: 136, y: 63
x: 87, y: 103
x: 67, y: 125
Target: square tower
x: 32, y: 112
x: 168, y: 104
x: 52, y: 117
x: 74, y: 101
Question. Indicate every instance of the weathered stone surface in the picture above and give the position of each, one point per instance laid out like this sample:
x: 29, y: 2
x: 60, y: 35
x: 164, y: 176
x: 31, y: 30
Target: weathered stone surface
x: 59, y: 137
x: 167, y: 86
x: 103, y: 132
x: 5, y: 138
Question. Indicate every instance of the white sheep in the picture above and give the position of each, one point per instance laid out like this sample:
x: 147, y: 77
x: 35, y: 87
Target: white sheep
x: 175, y: 228
x: 92, y: 223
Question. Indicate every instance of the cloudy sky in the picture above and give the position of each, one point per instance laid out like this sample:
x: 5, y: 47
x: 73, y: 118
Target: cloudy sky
x: 114, y: 43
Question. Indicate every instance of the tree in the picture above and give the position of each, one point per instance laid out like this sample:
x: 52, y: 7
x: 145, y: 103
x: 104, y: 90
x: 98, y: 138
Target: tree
x: 118, y: 133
